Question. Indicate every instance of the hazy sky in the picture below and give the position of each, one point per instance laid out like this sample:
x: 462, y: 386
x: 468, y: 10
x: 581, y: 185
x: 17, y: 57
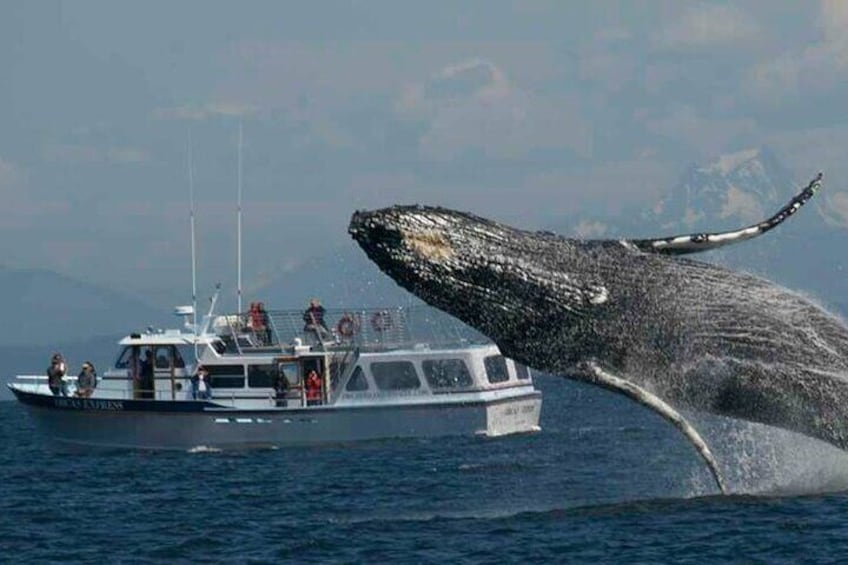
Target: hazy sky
x: 525, y: 111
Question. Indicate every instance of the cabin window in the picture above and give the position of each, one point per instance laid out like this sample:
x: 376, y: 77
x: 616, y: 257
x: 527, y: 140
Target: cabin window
x: 124, y: 359
x: 338, y: 368
x: 496, y: 369
x: 179, y: 362
x: 261, y: 376
x: 226, y: 376
x: 395, y: 375
x: 291, y: 371
x: 521, y: 371
x: 446, y: 373
x: 162, y: 357
x: 357, y: 381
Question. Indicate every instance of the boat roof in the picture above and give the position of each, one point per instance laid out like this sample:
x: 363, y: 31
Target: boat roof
x: 168, y: 337
x: 371, y: 329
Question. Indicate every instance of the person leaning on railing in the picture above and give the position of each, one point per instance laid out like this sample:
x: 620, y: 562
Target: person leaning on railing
x: 313, y: 318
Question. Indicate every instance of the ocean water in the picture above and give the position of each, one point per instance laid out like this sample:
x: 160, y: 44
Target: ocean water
x: 605, y: 480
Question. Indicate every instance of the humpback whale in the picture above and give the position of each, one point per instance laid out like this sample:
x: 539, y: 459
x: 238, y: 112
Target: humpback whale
x: 630, y: 315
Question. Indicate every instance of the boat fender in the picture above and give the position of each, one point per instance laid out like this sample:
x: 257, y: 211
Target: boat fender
x: 348, y: 326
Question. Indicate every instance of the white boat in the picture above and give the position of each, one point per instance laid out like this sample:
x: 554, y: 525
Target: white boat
x: 377, y: 380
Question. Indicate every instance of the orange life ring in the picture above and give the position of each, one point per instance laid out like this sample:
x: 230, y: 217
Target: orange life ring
x: 381, y: 321
x: 347, y: 326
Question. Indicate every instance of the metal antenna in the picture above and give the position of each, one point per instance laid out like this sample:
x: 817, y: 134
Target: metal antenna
x: 193, y: 246
x: 239, y: 217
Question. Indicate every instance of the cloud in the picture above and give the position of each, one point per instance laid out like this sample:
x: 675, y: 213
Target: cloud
x: 22, y: 209
x: 472, y: 105
x: 9, y: 175
x: 834, y: 15
x: 608, y: 188
x: 820, y: 66
x: 610, y: 69
x: 84, y: 153
x: 836, y: 209
x: 814, y: 149
x: 709, y: 136
x: 704, y: 26
x: 206, y: 111
x: 588, y: 229
x: 473, y: 78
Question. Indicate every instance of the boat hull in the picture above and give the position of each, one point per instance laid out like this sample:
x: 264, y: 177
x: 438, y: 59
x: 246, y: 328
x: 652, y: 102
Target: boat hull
x: 149, y: 424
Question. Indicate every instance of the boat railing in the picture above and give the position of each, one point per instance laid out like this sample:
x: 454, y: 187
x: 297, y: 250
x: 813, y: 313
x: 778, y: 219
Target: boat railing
x: 38, y: 383
x: 363, y: 328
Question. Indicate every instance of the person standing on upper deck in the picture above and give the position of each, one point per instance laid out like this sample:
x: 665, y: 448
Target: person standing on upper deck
x: 313, y: 318
x: 265, y: 321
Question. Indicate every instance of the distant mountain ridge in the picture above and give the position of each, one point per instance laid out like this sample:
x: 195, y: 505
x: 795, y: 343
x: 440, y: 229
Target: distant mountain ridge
x: 42, y: 307
x: 45, y: 311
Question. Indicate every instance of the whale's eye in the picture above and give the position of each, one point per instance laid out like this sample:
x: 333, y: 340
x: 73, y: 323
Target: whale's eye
x: 430, y: 245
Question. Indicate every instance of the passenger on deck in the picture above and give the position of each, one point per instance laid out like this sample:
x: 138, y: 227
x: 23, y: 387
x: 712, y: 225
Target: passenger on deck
x: 55, y: 372
x: 200, y: 387
x: 147, y: 383
x: 281, y: 390
x: 254, y: 322
x: 313, y: 319
x: 266, y: 323
x: 313, y: 389
x: 86, y: 380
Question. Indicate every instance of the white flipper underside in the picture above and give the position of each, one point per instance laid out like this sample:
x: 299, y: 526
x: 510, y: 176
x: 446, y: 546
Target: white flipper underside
x: 642, y: 396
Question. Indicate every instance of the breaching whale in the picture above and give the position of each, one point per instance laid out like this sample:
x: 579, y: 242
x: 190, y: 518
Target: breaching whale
x: 630, y: 316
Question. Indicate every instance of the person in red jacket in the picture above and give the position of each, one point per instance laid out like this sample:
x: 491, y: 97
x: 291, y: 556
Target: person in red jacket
x: 313, y: 389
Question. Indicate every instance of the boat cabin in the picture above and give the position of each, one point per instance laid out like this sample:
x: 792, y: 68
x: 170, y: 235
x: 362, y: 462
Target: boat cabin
x: 253, y: 370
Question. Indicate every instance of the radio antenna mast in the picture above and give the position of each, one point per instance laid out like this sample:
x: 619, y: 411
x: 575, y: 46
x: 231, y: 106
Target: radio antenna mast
x: 238, y: 221
x: 193, y: 246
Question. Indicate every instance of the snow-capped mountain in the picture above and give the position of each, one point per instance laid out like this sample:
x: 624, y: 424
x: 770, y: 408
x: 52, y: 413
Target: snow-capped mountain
x: 733, y: 190
x: 806, y: 253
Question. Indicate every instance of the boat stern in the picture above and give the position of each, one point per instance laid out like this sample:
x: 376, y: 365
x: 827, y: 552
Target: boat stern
x: 515, y: 415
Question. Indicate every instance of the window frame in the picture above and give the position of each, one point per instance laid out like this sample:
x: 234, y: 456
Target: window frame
x: 217, y: 372
x: 501, y: 364
x: 357, y: 371
x: 428, y: 373
x: 380, y: 376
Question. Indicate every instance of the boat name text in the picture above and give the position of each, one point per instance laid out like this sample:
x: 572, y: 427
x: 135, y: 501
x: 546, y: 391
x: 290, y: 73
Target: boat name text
x: 89, y: 404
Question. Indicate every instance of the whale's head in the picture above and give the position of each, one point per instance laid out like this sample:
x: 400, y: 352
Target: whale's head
x: 499, y: 279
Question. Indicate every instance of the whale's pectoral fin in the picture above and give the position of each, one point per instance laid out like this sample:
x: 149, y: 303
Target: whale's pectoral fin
x: 598, y: 376
x: 694, y: 242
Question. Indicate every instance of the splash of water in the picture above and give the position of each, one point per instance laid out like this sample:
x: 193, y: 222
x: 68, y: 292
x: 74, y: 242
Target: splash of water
x: 767, y: 461
x: 204, y: 449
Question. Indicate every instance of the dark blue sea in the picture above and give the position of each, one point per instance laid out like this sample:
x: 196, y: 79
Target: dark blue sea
x: 604, y: 481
